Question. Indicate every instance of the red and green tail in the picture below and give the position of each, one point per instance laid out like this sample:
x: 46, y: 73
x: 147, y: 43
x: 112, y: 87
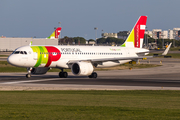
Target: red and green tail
x: 135, y: 39
x: 55, y: 34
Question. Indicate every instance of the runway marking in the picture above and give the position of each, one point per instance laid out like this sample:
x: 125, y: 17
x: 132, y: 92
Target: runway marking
x: 16, y: 82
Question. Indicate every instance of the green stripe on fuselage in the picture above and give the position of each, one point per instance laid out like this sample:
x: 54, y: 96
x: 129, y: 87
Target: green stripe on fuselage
x: 42, y: 56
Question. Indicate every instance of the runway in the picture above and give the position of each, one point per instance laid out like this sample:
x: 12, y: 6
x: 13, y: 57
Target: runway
x: 165, y: 77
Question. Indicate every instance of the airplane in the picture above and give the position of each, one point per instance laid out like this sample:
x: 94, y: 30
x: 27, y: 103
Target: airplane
x: 55, y: 34
x: 82, y: 59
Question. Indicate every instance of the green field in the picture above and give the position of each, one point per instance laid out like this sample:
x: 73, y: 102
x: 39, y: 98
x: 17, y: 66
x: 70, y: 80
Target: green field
x: 89, y: 105
x: 4, y: 55
x: 174, y: 48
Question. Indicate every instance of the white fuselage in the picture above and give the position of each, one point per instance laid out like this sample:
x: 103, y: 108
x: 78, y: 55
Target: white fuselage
x: 59, y: 56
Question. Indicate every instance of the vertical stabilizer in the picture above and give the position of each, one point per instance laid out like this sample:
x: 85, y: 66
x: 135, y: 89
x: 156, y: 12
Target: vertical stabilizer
x: 136, y: 37
x: 55, y: 34
x: 30, y: 43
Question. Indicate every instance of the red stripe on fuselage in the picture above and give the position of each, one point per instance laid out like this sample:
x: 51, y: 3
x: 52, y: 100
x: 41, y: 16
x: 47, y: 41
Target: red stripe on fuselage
x: 54, y: 55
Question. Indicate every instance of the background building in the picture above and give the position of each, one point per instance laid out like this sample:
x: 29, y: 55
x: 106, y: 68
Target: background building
x: 120, y: 34
x: 123, y: 34
x: 157, y: 33
x: 164, y: 34
x: 148, y: 33
x: 106, y: 35
x: 10, y: 44
x: 176, y: 33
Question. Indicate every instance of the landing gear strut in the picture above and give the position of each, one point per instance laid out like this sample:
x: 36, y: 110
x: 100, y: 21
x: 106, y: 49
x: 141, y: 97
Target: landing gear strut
x: 63, y: 74
x: 29, y: 73
x: 93, y: 75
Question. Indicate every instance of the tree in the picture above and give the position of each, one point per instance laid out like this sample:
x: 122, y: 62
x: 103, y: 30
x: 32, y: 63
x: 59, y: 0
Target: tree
x: 101, y: 41
x: 91, y: 40
x: 79, y: 40
x: 110, y: 40
x: 66, y: 40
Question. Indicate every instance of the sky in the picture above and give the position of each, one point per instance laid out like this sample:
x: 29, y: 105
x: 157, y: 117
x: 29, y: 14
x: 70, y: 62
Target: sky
x: 37, y: 18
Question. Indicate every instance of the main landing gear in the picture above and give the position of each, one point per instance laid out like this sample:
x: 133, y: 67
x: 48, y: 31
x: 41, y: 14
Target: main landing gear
x: 93, y: 75
x: 63, y: 74
x: 29, y: 73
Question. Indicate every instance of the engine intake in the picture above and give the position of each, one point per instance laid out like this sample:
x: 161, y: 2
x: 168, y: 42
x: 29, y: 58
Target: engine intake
x: 82, y: 68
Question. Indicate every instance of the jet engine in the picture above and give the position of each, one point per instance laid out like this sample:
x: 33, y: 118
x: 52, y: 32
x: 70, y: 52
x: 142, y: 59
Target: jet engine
x: 39, y: 70
x: 82, y: 68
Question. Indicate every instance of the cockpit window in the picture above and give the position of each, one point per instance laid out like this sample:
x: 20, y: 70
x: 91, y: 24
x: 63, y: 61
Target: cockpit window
x: 16, y: 52
x: 25, y: 52
x: 20, y: 52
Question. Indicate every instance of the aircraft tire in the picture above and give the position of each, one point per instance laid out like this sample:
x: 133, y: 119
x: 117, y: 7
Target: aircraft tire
x: 94, y: 75
x: 28, y: 75
x: 65, y: 74
x: 90, y: 76
x: 60, y: 74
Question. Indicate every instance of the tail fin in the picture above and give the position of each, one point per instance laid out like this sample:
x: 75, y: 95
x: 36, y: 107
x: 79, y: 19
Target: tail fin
x: 135, y: 39
x: 55, y: 34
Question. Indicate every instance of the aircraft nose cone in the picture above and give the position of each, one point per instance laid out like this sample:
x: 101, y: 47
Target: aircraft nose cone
x: 12, y: 60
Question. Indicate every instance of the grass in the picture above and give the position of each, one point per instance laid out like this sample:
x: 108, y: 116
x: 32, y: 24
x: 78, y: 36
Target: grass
x: 89, y: 105
x: 6, y: 67
x: 4, y: 55
x: 174, y: 48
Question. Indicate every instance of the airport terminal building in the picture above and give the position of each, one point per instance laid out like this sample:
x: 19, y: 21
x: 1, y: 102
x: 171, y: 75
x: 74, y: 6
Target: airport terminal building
x: 10, y: 44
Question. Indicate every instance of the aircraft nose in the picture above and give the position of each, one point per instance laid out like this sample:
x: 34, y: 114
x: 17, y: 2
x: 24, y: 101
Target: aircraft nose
x: 9, y: 59
x: 12, y: 60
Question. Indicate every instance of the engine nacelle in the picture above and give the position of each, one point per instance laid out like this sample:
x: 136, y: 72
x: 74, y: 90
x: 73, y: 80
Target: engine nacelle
x: 39, y: 70
x: 82, y: 68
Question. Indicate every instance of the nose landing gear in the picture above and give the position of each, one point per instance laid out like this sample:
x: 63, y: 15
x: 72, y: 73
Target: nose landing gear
x: 28, y: 75
x: 29, y: 72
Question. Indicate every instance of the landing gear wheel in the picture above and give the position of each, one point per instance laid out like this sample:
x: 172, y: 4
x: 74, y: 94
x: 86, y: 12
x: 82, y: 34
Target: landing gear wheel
x: 93, y: 75
x: 63, y: 74
x: 90, y: 76
x: 60, y: 74
x: 28, y: 75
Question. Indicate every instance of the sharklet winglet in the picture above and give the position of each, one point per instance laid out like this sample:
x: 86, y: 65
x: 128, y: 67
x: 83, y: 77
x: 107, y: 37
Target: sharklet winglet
x: 167, y: 50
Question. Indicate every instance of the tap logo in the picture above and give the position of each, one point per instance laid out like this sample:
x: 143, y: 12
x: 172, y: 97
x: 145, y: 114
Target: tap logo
x: 46, y: 55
